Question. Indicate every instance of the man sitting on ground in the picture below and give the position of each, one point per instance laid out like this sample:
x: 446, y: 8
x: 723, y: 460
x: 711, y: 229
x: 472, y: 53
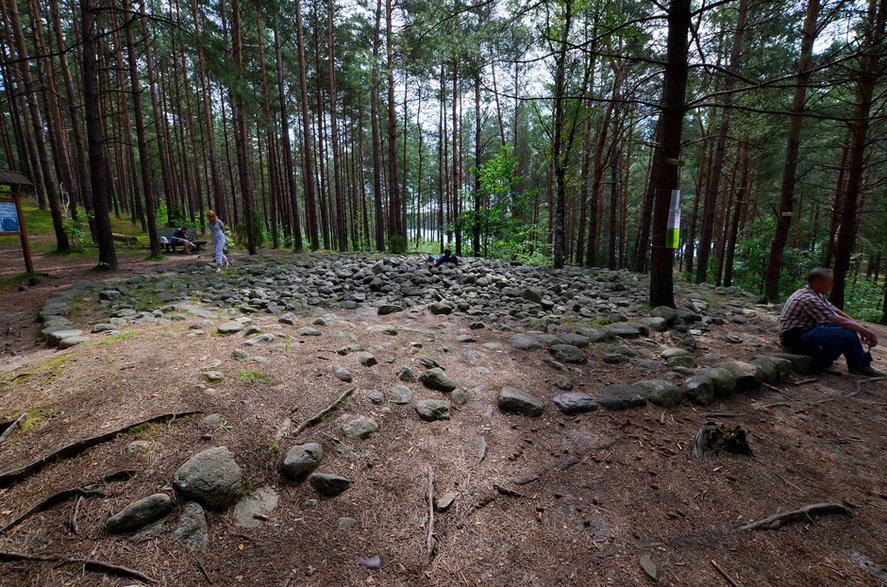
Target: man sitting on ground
x: 810, y: 325
x: 180, y: 236
x: 447, y: 257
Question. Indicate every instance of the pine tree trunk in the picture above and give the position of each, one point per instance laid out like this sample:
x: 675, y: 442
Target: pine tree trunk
x: 668, y: 178
x: 341, y: 230
x: 396, y: 227
x: 95, y: 134
x: 787, y: 192
x: 240, y: 134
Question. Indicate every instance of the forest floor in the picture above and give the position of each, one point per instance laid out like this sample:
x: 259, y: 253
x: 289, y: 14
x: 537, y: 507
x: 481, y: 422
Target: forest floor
x: 601, y: 498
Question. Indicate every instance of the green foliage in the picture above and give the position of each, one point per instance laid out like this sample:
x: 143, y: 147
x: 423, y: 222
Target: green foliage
x: 253, y: 376
x: 77, y: 231
x: 397, y: 244
x: 750, y: 262
x: 863, y: 300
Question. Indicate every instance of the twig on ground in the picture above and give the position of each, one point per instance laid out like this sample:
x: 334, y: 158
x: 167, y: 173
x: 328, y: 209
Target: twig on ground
x: 78, y: 447
x: 723, y: 573
x: 88, y: 564
x: 12, y: 427
x: 805, y: 381
x: 857, y: 389
x: 202, y: 570
x: 788, y: 483
x: 778, y: 520
x: 721, y: 414
x: 85, y: 489
x: 429, y: 537
x: 316, y: 418
x: 506, y: 491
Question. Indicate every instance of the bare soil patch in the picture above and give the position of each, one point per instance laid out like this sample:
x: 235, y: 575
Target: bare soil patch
x: 612, y: 487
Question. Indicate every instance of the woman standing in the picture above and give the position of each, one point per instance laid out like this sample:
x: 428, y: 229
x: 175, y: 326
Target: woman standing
x: 217, y: 229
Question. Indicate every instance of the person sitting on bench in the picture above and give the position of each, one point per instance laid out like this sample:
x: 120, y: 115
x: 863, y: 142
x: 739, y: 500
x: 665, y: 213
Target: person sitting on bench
x: 180, y: 236
x: 447, y: 257
x: 810, y: 325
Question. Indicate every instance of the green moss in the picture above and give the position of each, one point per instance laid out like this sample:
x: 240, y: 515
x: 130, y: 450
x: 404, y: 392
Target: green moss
x: 253, y: 376
x: 35, y: 415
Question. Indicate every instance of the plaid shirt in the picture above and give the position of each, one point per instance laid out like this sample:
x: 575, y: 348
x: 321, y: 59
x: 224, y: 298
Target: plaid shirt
x: 805, y: 309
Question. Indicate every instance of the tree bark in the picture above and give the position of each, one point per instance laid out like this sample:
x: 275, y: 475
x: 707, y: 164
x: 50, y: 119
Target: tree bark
x: 668, y: 178
x: 789, y: 177
x: 396, y: 227
x: 240, y: 133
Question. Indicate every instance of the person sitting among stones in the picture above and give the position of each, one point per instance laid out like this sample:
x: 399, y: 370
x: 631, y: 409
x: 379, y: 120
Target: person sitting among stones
x: 180, y: 236
x: 810, y: 325
x: 447, y: 257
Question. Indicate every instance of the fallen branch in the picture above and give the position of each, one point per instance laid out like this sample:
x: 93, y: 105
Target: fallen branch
x: 721, y: 414
x: 72, y: 450
x: 723, y: 573
x: 12, y: 427
x: 90, y: 565
x: 778, y: 520
x: 857, y: 389
x: 506, y: 491
x: 84, y: 489
x: 316, y: 418
x: 429, y: 537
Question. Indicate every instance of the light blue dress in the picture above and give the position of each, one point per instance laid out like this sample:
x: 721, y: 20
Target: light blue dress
x: 219, y: 240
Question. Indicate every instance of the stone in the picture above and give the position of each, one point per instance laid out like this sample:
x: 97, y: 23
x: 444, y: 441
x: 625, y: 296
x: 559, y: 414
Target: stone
x: 628, y: 330
x: 260, y: 502
x: 688, y: 314
x: 673, y: 352
x: 371, y: 562
x: 465, y: 338
x: 230, y: 327
x: 561, y: 382
x: 138, y: 446
x: 386, y: 309
x: 301, y: 460
x: 567, y: 353
x: 214, y: 376
x: 400, y: 394
x: 432, y: 410
x: 614, y: 359
x: 308, y: 331
x: 574, y: 402
x: 407, y: 375
x: 288, y: 319
x: 700, y: 389
x: 669, y: 314
x: 437, y: 379
x: 440, y: 308
x: 328, y: 485
x: 342, y: 374
x: 445, y: 501
x: 261, y: 339
x: 192, y: 530
x: 459, y: 396
x: 139, y: 513
x: 531, y: 295
x: 375, y: 396
x: 654, y: 323
x: 239, y: 355
x: 367, y: 359
x: 649, y: 567
x: 576, y: 340
x: 800, y: 363
x: 102, y: 327
x: 344, y: 523
x: 211, y: 477
x: 595, y: 334
x: 620, y: 397
x: 361, y: 427
x: 722, y: 381
x: 59, y: 335
x: 768, y: 369
x: 660, y: 393
x: 745, y: 374
x: 522, y: 342
x: 519, y: 402
x: 682, y: 361
x: 70, y: 341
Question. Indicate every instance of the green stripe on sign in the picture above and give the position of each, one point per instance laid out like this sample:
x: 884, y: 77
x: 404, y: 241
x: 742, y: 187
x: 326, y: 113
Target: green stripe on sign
x: 672, y: 237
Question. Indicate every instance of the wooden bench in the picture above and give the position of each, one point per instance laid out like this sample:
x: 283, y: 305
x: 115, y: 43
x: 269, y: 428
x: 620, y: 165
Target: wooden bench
x: 170, y: 245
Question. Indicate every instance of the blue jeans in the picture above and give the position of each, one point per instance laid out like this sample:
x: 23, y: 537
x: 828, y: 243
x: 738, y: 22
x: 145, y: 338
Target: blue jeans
x: 827, y: 343
x: 219, y: 247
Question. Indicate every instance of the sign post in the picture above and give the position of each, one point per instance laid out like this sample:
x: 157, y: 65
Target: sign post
x: 12, y: 222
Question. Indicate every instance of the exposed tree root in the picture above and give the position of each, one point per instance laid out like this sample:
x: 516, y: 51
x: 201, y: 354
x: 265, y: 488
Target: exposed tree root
x: 319, y: 416
x: 778, y: 520
x: 90, y: 565
x: 72, y: 450
x: 86, y: 489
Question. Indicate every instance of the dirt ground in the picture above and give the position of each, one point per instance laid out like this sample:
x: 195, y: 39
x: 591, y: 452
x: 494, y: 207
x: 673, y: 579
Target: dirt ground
x: 612, y: 487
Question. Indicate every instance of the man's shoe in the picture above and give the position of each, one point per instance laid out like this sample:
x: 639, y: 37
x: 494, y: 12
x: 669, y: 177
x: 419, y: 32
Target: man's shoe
x: 867, y: 371
x: 830, y: 370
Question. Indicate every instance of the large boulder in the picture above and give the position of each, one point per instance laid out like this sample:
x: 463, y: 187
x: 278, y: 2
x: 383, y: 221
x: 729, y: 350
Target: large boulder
x: 700, y: 389
x: 301, y: 460
x: 800, y: 363
x: 139, y: 513
x: 722, y: 381
x: 519, y: 402
x: 211, y: 477
x: 522, y: 342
